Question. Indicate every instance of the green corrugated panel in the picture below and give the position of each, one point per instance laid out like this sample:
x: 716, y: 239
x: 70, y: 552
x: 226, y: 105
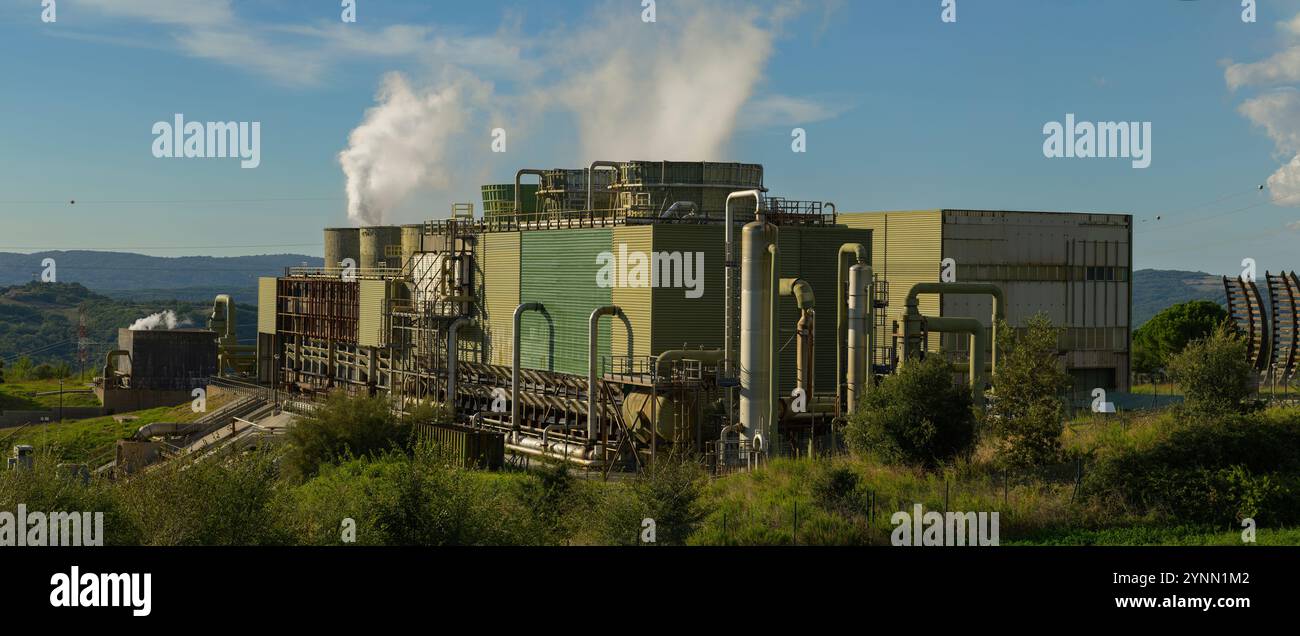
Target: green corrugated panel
x: 266, y: 305
x: 559, y: 270
x: 635, y: 301
x: 677, y: 319
x: 819, y: 250
x: 370, y: 318
x: 499, y: 261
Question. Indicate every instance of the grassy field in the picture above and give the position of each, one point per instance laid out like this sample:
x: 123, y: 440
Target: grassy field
x: 849, y: 500
x: 23, y: 396
x: 92, y: 439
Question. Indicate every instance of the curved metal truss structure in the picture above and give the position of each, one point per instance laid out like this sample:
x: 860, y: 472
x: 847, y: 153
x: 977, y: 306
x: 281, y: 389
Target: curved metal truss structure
x: 1246, y: 308
x: 1284, y: 301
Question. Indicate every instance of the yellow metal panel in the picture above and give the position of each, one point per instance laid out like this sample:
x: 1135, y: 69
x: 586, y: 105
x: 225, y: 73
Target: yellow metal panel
x: 499, y: 263
x: 266, y: 305
x: 907, y: 248
x: 371, y: 331
x: 632, y: 338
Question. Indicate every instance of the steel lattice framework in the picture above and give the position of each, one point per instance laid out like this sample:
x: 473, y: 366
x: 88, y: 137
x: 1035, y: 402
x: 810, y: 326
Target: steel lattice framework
x: 1284, y: 300
x: 1246, y: 308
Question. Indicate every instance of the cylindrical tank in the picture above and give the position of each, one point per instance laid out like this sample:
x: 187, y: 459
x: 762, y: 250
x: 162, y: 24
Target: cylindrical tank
x: 412, y: 235
x: 660, y: 414
x: 754, y: 365
x: 342, y: 243
x: 374, y: 243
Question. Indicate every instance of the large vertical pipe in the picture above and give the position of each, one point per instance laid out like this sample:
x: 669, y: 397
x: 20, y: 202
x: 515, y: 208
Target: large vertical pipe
x: 729, y: 262
x: 860, y: 333
x: 593, y: 335
x: 805, y: 300
x: 773, y: 360
x: 514, y: 366
x: 858, y: 252
x: 753, y: 336
x: 453, y: 354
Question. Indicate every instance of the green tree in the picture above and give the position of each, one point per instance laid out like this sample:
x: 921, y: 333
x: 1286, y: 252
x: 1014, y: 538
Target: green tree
x: 1027, y: 411
x: 1214, y: 373
x: 916, y: 416
x: 22, y: 369
x: 1171, y: 330
x: 344, y: 427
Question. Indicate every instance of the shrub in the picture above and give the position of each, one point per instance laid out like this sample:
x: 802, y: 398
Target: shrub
x: 1214, y: 373
x: 668, y: 492
x: 342, y: 428
x: 1027, y: 413
x: 1209, y: 471
x: 834, y: 488
x: 221, y: 501
x: 916, y: 416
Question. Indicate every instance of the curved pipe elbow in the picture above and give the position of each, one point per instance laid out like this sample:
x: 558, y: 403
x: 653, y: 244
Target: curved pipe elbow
x: 801, y: 290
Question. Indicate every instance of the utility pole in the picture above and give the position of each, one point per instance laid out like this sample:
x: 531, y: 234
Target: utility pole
x: 82, y: 343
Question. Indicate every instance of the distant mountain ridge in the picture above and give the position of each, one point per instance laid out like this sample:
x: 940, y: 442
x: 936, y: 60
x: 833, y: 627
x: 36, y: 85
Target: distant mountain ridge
x: 1156, y: 289
x: 123, y: 271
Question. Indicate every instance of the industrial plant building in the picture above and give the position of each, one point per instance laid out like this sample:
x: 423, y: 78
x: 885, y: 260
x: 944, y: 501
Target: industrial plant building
x: 1074, y: 268
x: 609, y: 313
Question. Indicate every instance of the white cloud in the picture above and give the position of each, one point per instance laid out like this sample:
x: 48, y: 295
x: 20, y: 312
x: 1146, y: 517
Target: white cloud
x: 1277, y: 111
x: 1293, y: 226
x: 1280, y: 68
x: 787, y: 111
x: 193, y: 13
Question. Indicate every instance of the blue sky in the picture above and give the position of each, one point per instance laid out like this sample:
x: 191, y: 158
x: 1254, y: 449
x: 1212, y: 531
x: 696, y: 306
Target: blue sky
x: 902, y: 111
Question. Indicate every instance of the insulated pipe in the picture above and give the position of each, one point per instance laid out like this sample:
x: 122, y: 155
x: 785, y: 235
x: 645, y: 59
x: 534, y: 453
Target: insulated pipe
x: 514, y: 366
x: 912, y: 304
x: 668, y: 357
x: 753, y: 334
x: 858, y: 252
x: 452, y: 357
x: 805, y: 300
x: 861, y: 336
x: 729, y: 262
x: 519, y: 184
x: 591, y: 178
x: 593, y: 333
x: 768, y: 439
x: 979, y: 340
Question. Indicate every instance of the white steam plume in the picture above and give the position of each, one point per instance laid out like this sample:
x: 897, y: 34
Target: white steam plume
x: 162, y: 320
x: 670, y: 90
x: 404, y: 143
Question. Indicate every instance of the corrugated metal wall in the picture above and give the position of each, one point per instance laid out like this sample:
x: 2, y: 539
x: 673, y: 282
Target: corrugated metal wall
x: 1075, y: 268
x: 678, y: 319
x: 498, y: 259
x: 559, y: 270
x: 907, y: 248
x: 632, y: 338
x: 371, y: 328
x: 818, y: 255
x: 266, y: 305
